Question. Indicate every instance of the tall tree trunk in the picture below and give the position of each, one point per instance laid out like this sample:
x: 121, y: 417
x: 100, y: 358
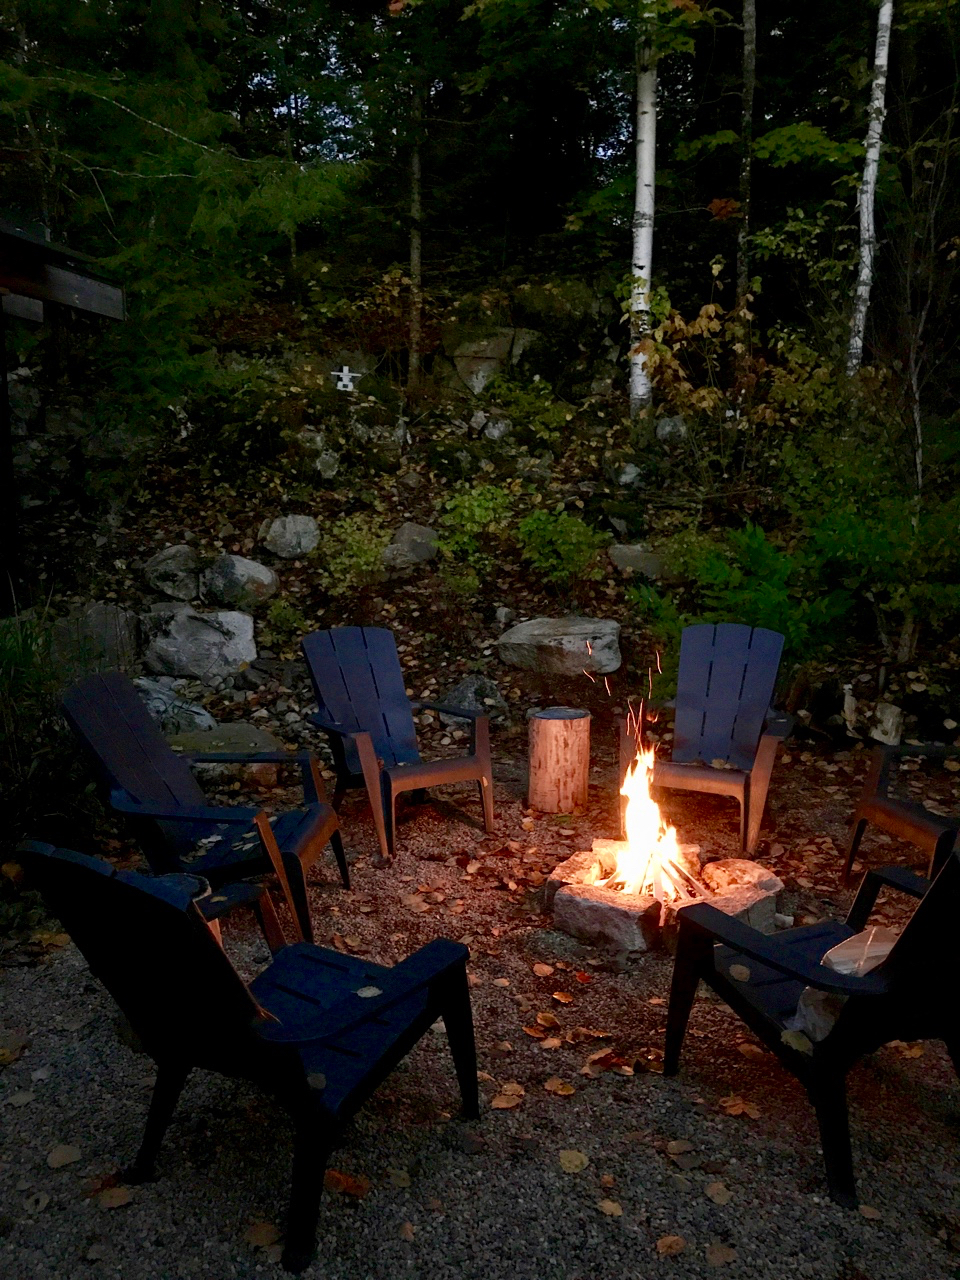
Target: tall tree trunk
x: 641, y: 391
x: 416, y: 268
x: 746, y: 142
x: 868, y: 233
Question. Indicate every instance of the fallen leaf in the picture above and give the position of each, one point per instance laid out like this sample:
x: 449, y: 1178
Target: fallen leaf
x: 607, y: 1180
x: 560, y: 1087
x: 37, y: 1202
x: 547, y: 1019
x: 583, y: 977
x: 62, y: 1155
x: 367, y: 993
x: 261, y: 1234
x: 612, y: 1208
x: 114, y: 1197
x: 669, y: 1246
x: 543, y: 970
x: 345, y: 1183
x: 718, y: 1254
x: 752, y: 1052
x: 797, y: 1040
x: 911, y: 1051
x: 473, y: 867
x: 563, y: 997
x: 656, y: 1000
x: 505, y: 1101
x: 734, y: 1105
x: 501, y: 982
x: 717, y: 1192
x: 21, y: 1098
x: 399, y: 1177
x: 484, y: 1075
x: 527, y: 824
x: 678, y: 1146
x: 513, y: 1087
x: 551, y: 1042
x: 868, y: 1211
x: 407, y: 1231
x: 573, y: 1161
x: 538, y: 1033
x: 739, y: 973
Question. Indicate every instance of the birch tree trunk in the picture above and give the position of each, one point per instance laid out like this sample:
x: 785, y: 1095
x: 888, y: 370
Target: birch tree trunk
x: 868, y: 233
x: 416, y: 265
x: 746, y: 142
x: 641, y: 391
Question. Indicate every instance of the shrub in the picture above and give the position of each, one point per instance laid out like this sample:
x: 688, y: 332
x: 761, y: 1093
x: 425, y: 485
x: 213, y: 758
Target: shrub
x: 561, y: 548
x: 474, y: 521
x: 284, y: 624
x: 353, y: 553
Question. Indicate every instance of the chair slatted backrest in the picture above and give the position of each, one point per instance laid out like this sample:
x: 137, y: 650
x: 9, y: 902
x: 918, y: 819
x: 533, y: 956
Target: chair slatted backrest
x: 724, y: 690
x: 924, y: 965
x: 358, y: 682
x: 145, y: 940
x: 129, y: 752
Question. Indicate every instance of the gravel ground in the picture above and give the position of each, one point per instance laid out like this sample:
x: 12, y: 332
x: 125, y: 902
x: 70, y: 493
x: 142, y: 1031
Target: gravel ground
x: 742, y: 1194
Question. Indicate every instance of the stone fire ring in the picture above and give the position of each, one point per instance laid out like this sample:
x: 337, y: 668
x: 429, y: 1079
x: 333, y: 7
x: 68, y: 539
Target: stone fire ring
x: 625, y: 922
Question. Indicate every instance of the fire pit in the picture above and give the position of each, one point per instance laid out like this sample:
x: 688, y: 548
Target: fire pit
x: 624, y: 893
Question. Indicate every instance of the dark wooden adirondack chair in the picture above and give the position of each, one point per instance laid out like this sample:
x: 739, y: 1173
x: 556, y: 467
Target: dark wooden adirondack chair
x: 143, y: 778
x: 935, y: 834
x: 724, y: 688
x: 364, y: 710
x: 908, y: 997
x: 318, y: 1029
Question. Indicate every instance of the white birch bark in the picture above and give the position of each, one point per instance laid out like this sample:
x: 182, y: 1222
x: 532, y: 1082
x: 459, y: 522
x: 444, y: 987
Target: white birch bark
x: 868, y: 233
x: 641, y: 391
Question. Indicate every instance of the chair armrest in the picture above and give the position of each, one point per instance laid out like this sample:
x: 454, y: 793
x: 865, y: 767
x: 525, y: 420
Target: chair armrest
x: 779, y: 724
x: 877, y: 879
x: 462, y: 713
x: 330, y: 726
x: 124, y: 803
x: 313, y: 789
x: 434, y: 962
x: 700, y: 918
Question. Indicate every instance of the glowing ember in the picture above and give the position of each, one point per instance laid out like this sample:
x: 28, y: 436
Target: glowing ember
x: 649, y: 863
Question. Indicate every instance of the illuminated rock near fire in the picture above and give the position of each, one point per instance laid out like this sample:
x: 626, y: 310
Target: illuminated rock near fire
x: 616, y: 920
x: 562, y: 646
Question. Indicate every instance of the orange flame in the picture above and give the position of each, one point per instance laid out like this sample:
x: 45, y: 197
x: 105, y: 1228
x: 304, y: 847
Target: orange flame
x: 648, y: 863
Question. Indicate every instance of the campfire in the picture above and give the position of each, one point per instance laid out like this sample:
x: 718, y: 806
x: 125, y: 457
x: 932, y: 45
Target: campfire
x: 650, y: 861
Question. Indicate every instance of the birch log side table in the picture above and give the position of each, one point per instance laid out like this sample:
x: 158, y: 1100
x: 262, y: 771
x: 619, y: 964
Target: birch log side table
x: 559, y: 759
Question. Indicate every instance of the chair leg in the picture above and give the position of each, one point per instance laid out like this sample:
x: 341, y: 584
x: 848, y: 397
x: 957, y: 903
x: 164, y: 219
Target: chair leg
x: 269, y: 924
x: 856, y: 835
x: 683, y: 992
x: 166, y: 1093
x: 310, y: 1155
x: 370, y: 768
x: 757, y: 786
x: 298, y: 896
x: 941, y: 851
x: 458, y: 1020
x: 336, y: 842
x: 389, y: 817
x: 829, y: 1097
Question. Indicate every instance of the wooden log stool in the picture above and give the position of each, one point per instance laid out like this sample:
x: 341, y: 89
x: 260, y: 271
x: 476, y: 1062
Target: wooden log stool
x: 559, y: 759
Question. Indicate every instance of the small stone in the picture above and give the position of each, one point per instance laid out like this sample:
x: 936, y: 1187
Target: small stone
x: 174, y: 571
x: 238, y: 582
x: 290, y: 536
x: 411, y: 545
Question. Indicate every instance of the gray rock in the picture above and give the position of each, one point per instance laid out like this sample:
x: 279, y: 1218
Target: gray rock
x: 619, y: 921
x: 175, y: 572
x: 236, y: 581
x: 234, y: 737
x: 172, y: 713
x: 497, y: 428
x: 206, y: 646
x: 474, y: 693
x: 888, y: 724
x: 325, y: 461
x: 290, y: 536
x: 412, y: 544
x: 482, y: 359
x: 672, y: 428
x: 562, y: 646
x: 628, y: 475
x: 99, y: 637
x: 636, y: 558
x: 411, y: 480
x: 504, y: 616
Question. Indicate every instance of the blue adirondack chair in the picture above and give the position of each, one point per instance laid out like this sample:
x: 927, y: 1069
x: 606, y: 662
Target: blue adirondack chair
x: 152, y: 785
x: 723, y: 714
x: 364, y: 710
x: 318, y: 1029
x: 907, y: 997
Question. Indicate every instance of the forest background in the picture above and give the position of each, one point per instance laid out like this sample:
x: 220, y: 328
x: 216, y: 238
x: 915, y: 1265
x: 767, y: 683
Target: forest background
x: 280, y: 187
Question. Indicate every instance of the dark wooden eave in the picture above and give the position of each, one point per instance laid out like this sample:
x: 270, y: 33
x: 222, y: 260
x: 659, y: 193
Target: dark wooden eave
x: 34, y: 271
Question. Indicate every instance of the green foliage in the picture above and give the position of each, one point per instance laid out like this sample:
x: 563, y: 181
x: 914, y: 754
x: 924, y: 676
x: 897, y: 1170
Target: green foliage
x: 284, y: 624
x: 561, y: 548
x: 352, y: 554
x: 801, y: 140
x: 533, y: 408
x: 474, y: 521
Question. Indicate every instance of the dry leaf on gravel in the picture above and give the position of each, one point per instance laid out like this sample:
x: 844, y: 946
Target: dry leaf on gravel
x: 345, y: 1183
x: 261, y: 1234
x: 563, y: 997
x: 501, y: 982
x: 399, y: 1177
x: 505, y: 1101
x: 543, y: 970
x: 797, y: 1040
x: 612, y: 1208
x: 548, y: 1019
x: 868, y: 1211
x: 718, y: 1254
x: 61, y: 1155
x: 669, y: 1246
x: 607, y: 1180
x: 407, y: 1231
x: 678, y: 1146
x: 752, y: 1052
x: 717, y: 1192
x: 21, y: 1098
x: 114, y: 1197
x: 573, y: 1161
x: 538, y: 1033
x: 734, y: 1105
x: 560, y: 1087
x: 367, y: 993
x: 551, y: 1042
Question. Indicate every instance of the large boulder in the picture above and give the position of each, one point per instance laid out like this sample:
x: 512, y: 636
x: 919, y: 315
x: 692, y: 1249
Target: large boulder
x: 170, y: 710
x: 635, y: 558
x: 290, y: 536
x: 174, y: 571
x: 411, y: 545
x: 235, y: 737
x: 99, y: 637
x: 206, y: 646
x: 562, y: 646
x: 238, y: 582
x: 473, y: 693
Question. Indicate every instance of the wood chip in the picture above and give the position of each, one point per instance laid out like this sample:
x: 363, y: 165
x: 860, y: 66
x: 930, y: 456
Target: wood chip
x: 612, y: 1208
